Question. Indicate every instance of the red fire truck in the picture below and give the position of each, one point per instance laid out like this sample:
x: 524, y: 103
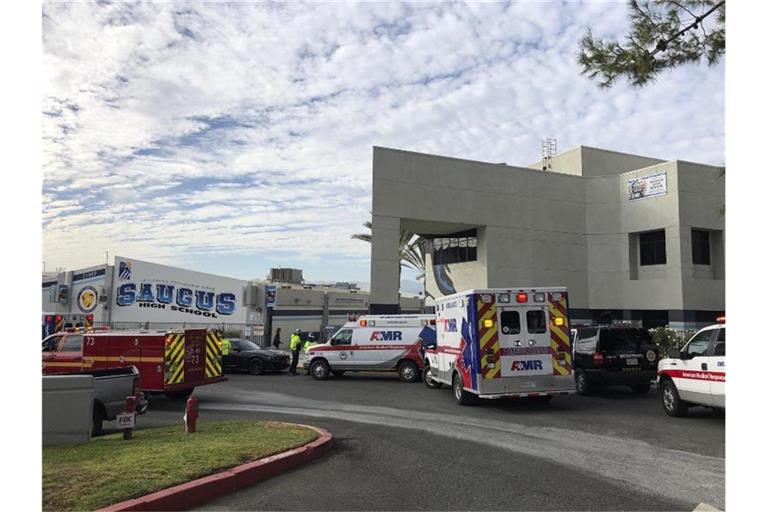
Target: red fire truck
x: 170, y: 362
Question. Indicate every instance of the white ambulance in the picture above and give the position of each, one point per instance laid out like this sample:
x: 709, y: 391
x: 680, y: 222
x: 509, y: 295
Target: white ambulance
x: 374, y: 343
x: 694, y: 375
x: 502, y: 342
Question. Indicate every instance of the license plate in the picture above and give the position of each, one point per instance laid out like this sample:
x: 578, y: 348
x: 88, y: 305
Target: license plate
x: 632, y: 360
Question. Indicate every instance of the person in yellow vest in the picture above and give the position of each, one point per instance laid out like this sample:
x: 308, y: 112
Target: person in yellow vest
x: 225, y: 346
x: 295, y: 346
x: 309, y: 344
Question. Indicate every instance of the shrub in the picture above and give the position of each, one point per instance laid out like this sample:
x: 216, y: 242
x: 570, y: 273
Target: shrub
x: 667, y: 338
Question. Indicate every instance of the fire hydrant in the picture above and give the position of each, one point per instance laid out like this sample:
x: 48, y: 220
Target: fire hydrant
x: 190, y: 415
x: 130, y: 408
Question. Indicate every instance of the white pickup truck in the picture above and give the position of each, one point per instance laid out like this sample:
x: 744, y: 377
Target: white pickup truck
x: 694, y: 375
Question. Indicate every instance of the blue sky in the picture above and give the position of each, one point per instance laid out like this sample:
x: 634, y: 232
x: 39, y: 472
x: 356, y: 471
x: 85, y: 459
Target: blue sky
x: 229, y: 138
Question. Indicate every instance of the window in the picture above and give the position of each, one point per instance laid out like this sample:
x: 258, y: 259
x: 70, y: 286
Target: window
x: 626, y: 341
x: 536, y: 321
x: 455, y: 248
x: 73, y: 343
x: 343, y: 337
x: 700, y: 247
x: 653, y: 248
x: 50, y: 344
x: 586, y: 340
x: 510, y: 322
x: 699, y: 344
x: 720, y: 344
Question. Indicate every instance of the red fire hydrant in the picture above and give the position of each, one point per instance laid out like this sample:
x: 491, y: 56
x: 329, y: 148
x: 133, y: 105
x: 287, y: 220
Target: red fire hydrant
x: 190, y: 416
x: 130, y: 409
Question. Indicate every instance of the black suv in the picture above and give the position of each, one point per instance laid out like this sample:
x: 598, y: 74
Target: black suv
x: 614, y: 355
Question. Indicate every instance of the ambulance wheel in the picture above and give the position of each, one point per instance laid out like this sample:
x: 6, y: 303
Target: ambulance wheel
x: 462, y: 396
x: 256, y: 367
x: 98, y: 420
x: 408, y: 371
x: 670, y: 400
x: 337, y: 373
x: 429, y: 381
x: 179, y: 395
x: 319, y: 369
x: 583, y: 387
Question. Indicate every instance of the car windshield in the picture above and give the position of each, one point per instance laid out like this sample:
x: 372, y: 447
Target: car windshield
x: 248, y: 345
x: 626, y: 341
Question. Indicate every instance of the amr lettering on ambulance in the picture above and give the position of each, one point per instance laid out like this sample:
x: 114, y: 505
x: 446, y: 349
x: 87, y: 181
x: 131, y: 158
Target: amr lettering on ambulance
x: 151, y: 292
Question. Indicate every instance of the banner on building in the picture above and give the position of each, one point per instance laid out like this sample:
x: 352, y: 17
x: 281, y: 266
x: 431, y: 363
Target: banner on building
x: 647, y: 186
x: 148, y: 292
x: 270, y: 292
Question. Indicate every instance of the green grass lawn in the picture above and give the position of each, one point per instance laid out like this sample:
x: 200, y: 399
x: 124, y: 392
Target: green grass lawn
x: 109, y: 470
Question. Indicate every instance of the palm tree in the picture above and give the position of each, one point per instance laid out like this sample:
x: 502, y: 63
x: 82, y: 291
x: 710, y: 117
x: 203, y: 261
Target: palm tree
x: 413, y: 252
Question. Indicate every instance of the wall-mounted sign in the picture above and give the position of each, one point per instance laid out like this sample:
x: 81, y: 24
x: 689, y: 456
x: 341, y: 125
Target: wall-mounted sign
x: 148, y: 292
x: 647, y: 186
x: 87, y: 299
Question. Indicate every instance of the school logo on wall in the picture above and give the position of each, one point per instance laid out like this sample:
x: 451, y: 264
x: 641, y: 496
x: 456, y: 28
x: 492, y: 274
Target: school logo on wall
x: 124, y: 272
x: 87, y: 299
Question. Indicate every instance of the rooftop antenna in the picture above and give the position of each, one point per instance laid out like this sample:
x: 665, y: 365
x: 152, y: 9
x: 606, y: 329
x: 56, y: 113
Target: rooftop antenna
x: 548, y: 150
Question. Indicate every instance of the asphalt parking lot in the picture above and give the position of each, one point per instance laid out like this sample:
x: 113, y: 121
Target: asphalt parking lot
x: 404, y: 447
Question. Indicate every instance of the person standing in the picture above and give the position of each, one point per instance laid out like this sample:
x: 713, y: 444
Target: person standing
x: 276, y: 339
x: 295, y: 347
x: 225, y: 345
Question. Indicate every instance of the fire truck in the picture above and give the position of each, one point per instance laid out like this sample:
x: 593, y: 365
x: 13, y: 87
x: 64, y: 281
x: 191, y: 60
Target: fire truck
x: 169, y: 362
x: 495, y: 343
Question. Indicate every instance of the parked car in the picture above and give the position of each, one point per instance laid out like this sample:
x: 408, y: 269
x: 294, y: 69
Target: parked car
x: 694, y: 375
x: 614, y: 355
x: 245, y: 355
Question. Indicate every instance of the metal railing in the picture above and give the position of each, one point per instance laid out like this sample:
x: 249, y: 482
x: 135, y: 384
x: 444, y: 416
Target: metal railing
x: 244, y: 331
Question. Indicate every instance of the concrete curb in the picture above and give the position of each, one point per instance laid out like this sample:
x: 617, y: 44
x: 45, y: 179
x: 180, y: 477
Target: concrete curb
x: 196, y: 492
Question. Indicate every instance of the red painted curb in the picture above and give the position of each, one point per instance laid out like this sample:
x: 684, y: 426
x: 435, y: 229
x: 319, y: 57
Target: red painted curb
x: 196, y: 492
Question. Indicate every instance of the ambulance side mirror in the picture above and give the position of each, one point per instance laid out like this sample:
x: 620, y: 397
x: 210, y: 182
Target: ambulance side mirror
x: 674, y: 353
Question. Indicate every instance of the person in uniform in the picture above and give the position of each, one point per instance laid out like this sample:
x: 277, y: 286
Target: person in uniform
x: 295, y: 347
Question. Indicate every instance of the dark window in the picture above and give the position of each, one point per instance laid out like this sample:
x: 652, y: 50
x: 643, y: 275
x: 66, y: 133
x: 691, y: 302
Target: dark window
x: 653, y: 248
x: 700, y: 246
x: 626, y: 341
x: 510, y: 322
x: 73, y: 343
x: 720, y: 343
x: 343, y: 337
x: 455, y: 248
x: 536, y: 322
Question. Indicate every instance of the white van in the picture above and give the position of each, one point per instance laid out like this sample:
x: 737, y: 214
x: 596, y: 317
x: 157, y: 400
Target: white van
x: 374, y: 343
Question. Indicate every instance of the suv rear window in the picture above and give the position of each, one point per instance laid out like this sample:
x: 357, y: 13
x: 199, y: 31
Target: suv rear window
x: 625, y: 341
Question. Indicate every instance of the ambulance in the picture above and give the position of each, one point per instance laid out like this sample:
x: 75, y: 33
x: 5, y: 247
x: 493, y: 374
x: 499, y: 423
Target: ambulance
x: 374, y: 343
x: 695, y: 374
x: 169, y: 362
x: 56, y: 322
x: 502, y: 342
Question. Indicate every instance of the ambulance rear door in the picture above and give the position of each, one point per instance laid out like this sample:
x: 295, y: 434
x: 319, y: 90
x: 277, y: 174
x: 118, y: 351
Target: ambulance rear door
x: 524, y: 341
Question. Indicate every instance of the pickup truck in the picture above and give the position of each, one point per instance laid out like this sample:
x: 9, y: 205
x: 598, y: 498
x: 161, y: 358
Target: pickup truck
x: 110, y: 389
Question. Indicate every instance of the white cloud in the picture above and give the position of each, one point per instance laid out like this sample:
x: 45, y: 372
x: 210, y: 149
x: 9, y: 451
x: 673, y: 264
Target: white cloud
x: 176, y: 130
